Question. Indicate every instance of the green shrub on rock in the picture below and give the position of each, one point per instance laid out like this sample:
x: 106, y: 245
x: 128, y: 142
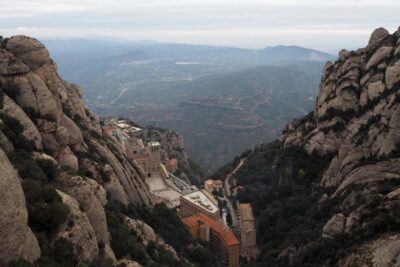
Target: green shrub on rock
x: 45, y: 207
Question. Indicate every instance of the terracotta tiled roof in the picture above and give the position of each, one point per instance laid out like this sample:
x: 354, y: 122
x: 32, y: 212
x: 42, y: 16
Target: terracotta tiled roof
x: 224, y: 233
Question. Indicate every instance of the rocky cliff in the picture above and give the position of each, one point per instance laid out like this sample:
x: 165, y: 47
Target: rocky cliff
x: 331, y: 184
x: 58, y: 170
x: 356, y: 120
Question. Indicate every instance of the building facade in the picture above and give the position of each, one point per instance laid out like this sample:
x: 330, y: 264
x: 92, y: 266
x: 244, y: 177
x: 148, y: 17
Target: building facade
x: 248, y: 239
x: 198, y: 202
x: 221, y: 239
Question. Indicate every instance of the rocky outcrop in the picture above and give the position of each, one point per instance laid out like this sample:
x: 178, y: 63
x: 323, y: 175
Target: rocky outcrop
x: 30, y: 130
x: 78, y: 230
x: 356, y: 116
x: 53, y: 114
x: 356, y: 122
x: 54, y: 120
x: 91, y: 198
x: 147, y: 234
x: 17, y: 240
x: 30, y: 51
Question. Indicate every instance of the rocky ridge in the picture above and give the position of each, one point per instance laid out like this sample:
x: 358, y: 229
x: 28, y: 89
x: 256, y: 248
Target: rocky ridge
x: 356, y: 121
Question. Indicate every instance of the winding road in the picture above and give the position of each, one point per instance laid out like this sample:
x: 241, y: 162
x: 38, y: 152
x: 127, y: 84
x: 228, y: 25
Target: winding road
x: 227, y: 192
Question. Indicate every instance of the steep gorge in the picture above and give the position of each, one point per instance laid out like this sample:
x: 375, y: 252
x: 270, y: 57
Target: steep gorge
x: 325, y: 194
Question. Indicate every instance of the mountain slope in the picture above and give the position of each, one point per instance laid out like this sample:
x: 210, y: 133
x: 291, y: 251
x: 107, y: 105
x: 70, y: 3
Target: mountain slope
x: 222, y: 115
x: 69, y: 194
x: 327, y: 193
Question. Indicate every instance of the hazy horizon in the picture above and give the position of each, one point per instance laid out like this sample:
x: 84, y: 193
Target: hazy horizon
x: 245, y: 24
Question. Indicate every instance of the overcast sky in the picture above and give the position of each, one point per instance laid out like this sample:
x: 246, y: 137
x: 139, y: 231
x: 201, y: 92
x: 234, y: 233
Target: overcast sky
x: 320, y: 24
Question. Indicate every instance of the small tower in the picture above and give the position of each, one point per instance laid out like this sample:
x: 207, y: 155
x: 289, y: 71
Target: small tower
x: 155, y: 158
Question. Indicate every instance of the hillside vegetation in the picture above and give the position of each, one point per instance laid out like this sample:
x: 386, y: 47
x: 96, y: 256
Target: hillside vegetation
x: 327, y: 193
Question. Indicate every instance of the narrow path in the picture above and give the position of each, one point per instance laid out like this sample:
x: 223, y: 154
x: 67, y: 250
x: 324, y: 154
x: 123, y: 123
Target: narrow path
x: 123, y: 91
x: 227, y: 192
x: 229, y: 177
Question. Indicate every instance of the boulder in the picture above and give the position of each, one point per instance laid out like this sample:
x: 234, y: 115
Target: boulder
x: 392, y: 75
x: 381, y: 54
x: 377, y: 36
x: 67, y: 159
x: 74, y: 132
x: 115, y: 190
x: 29, y: 50
x: 343, y: 54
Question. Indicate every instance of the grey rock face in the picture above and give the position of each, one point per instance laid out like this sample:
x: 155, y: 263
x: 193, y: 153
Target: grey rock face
x: 356, y: 120
x: 17, y: 239
x: 11, y: 65
x: 29, y: 50
x: 81, y: 233
x: 30, y: 130
x: 381, y: 54
x: 54, y: 118
x: 393, y: 74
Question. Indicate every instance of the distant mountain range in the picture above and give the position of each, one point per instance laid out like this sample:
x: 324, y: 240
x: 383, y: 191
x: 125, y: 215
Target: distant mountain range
x: 200, y: 91
x: 92, y: 49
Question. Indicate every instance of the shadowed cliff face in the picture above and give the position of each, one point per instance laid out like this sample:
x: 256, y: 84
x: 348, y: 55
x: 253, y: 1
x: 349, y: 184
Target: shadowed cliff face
x: 335, y: 173
x: 44, y: 125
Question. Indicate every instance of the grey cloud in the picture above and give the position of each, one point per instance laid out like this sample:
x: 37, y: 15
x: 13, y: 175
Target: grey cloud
x: 251, y: 23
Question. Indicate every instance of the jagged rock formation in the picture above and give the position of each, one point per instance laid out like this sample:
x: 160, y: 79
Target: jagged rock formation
x: 57, y: 119
x: 356, y: 120
x: 57, y: 127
